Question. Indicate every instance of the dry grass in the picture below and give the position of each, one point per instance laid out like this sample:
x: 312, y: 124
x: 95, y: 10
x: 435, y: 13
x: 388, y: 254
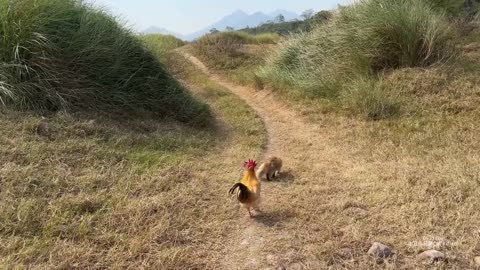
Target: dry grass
x: 146, y: 194
x: 416, y: 177
x: 409, y: 185
x: 236, y: 55
x: 239, y: 65
x: 90, y: 192
x: 410, y: 182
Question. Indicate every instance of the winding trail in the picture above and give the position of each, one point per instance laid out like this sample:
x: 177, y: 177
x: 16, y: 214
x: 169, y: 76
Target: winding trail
x: 296, y: 142
x: 346, y: 184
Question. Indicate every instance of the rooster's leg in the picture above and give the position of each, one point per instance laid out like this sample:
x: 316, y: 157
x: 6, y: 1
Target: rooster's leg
x: 249, y: 212
x: 256, y: 206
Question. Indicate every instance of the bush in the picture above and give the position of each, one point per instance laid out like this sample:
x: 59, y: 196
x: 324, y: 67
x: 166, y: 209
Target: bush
x: 267, y: 38
x: 161, y: 45
x: 238, y: 38
x: 396, y: 33
x: 64, y: 54
x: 370, y: 99
x: 456, y: 8
x: 361, y: 41
x: 225, y: 50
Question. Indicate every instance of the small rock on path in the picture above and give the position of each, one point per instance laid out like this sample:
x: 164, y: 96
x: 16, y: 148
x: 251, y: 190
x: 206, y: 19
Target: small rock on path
x: 380, y: 250
x: 431, y: 256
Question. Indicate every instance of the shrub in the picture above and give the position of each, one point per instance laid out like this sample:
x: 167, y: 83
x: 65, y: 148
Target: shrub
x: 361, y: 41
x: 396, y: 33
x: 224, y: 50
x: 238, y: 38
x: 456, y: 8
x: 161, y: 45
x: 267, y: 38
x: 65, y: 54
x: 370, y: 99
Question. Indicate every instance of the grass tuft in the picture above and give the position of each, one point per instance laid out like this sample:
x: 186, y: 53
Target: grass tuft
x: 161, y: 45
x: 67, y: 55
x: 235, y: 37
x: 370, y: 99
x: 226, y: 51
x: 361, y: 42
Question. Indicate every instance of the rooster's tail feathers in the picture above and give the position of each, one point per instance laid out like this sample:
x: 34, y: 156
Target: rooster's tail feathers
x: 244, y: 193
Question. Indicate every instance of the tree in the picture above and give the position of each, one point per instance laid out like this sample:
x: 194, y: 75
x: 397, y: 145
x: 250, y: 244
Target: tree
x: 280, y: 18
x: 307, y: 14
x: 322, y: 16
x: 214, y: 31
x: 229, y: 28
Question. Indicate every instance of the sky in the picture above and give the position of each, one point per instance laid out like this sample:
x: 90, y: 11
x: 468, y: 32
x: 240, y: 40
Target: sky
x: 187, y: 16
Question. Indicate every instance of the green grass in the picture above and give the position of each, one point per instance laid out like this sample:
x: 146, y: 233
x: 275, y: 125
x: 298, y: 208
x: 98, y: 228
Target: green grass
x: 238, y: 37
x: 92, y: 191
x: 226, y: 51
x: 455, y: 8
x: 66, y: 55
x: 223, y: 98
x: 161, y: 45
x: 370, y: 99
x: 361, y: 43
x: 266, y: 38
x: 236, y: 54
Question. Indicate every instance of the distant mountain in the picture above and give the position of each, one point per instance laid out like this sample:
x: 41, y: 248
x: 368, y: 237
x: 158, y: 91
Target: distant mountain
x: 240, y: 19
x: 163, y: 31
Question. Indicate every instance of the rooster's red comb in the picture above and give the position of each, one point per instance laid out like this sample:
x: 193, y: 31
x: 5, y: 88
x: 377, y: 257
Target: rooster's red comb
x: 250, y: 164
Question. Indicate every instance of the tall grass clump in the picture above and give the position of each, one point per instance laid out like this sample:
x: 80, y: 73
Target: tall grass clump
x: 397, y: 33
x: 161, y: 45
x: 456, y: 8
x: 238, y: 37
x: 362, y: 41
x: 372, y: 100
x: 225, y: 50
x: 65, y: 54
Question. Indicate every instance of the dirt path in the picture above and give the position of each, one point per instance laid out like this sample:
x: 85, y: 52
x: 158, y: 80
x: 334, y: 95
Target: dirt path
x: 296, y: 142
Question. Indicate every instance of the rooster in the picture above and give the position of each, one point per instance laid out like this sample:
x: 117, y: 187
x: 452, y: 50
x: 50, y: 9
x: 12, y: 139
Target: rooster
x: 249, y: 188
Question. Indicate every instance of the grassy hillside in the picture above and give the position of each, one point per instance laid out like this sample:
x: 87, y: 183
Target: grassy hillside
x: 79, y: 190
x: 88, y: 179
x: 345, y: 60
x: 65, y: 55
x: 344, y: 65
x: 393, y: 87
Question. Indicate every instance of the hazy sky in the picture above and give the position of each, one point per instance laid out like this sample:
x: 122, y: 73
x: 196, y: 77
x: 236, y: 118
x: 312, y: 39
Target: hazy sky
x: 187, y: 16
